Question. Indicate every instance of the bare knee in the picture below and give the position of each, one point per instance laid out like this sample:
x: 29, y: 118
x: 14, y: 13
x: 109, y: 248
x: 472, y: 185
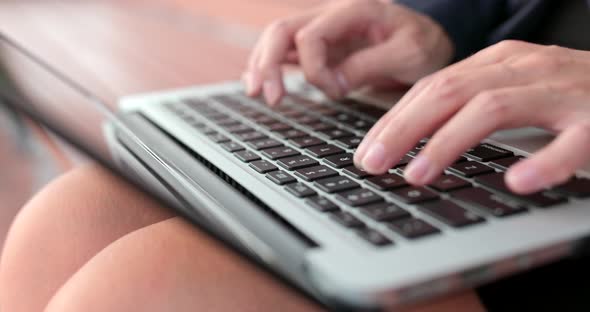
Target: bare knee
x: 170, y: 266
x: 62, y: 227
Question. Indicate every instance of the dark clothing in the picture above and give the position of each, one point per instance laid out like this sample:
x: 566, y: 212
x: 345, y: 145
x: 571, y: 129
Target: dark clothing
x: 475, y: 24
x: 472, y: 25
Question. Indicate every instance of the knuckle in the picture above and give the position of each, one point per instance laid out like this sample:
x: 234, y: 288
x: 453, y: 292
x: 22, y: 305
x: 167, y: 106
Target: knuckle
x: 509, y: 46
x: 494, y: 105
x: 303, y: 37
x: 448, y: 87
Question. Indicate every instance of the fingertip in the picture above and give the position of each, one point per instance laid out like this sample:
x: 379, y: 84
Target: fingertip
x: 420, y: 171
x: 272, y: 92
x: 525, y: 178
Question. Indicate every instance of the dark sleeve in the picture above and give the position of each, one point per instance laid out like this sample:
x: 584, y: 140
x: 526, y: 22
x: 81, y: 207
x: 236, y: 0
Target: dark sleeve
x: 474, y: 24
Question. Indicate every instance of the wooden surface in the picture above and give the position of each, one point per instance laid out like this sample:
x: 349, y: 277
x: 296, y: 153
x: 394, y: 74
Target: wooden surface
x: 120, y: 47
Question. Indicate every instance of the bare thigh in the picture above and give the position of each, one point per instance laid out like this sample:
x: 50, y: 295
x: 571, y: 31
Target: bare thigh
x: 63, y: 227
x: 113, y: 262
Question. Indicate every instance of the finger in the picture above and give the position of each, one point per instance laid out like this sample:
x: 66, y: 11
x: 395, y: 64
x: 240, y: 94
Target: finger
x: 493, y: 55
x: 314, y: 39
x: 487, y: 112
x: 443, y: 98
x: 553, y: 164
x: 270, y: 53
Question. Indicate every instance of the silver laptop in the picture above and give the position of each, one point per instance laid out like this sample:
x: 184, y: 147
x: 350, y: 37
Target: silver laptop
x: 279, y: 185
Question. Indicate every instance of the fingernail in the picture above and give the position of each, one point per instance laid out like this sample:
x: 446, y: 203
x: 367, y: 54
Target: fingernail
x: 342, y: 82
x: 272, y: 93
x: 361, y: 151
x: 418, y: 171
x: 375, y: 158
x: 525, y: 179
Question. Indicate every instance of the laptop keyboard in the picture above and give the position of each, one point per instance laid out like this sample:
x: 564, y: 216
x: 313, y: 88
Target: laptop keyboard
x: 306, y: 147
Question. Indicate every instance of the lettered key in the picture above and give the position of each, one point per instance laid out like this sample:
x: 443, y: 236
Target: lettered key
x: 279, y: 152
x: 250, y: 136
x: 374, y: 237
x: 333, y: 134
x: 232, y: 147
x: 292, y: 134
x: 307, y: 142
x: 264, y: 143
x: 280, y: 177
x: 384, y: 211
x: 414, y: 195
x: 322, y: 204
x: 576, y: 187
x: 359, y: 197
x: 315, y: 173
x: 470, y: 169
x: 450, y: 213
x: 505, y: 163
x: 336, y: 184
x: 412, y: 228
x: 340, y: 160
x: 349, y: 142
x: 297, y: 162
x: 355, y: 172
x: 300, y: 190
x: 262, y: 166
x: 346, y: 219
x: 322, y: 151
x: 387, y: 181
x: 447, y: 183
x: 246, y: 156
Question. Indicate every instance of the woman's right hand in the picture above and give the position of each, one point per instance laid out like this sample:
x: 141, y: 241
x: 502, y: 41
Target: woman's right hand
x: 347, y: 44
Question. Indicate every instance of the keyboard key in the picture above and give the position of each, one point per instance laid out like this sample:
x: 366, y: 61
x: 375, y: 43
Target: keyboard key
x: 321, y: 151
x: 218, y: 138
x: 264, y: 143
x: 346, y: 219
x: 349, y: 142
x: 262, y: 166
x: 540, y: 199
x: 336, y: 184
x: 321, y: 204
x: 576, y: 187
x: 307, y: 142
x: 412, y: 228
x: 300, y: 190
x: 292, y: 134
x: 279, y: 152
x: 488, y: 202
x: 447, y: 183
x: 387, y: 181
x: 246, y: 156
x: 315, y: 173
x: 327, y: 111
x: 307, y: 120
x: 227, y: 122
x: 470, y: 169
x: 505, y: 163
x: 487, y: 152
x: 384, y: 211
x: 297, y: 162
x: 264, y: 119
x: 278, y: 126
x: 355, y: 172
x: 374, y: 237
x: 250, y: 136
x: 232, y: 147
x: 321, y: 126
x: 334, y: 134
x: 414, y: 195
x: 344, y: 117
x: 238, y: 128
x: 402, y: 162
x: 339, y: 161
x: 359, y: 197
x: 450, y: 213
x: 280, y: 177
x: 360, y: 124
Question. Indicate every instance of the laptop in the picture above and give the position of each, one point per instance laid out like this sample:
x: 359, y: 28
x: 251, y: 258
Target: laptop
x: 279, y: 185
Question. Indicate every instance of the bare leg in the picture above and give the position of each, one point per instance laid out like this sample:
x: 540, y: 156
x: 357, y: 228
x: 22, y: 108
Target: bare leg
x: 62, y: 228
x: 146, y: 266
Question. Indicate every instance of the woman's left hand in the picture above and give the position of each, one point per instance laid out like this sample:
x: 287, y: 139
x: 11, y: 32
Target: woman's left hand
x: 511, y: 84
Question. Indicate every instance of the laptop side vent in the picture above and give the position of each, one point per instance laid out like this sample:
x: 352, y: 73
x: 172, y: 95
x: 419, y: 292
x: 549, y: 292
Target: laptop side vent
x: 235, y: 185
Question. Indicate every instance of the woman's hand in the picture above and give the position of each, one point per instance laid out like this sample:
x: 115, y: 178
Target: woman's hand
x: 511, y: 84
x: 347, y: 44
